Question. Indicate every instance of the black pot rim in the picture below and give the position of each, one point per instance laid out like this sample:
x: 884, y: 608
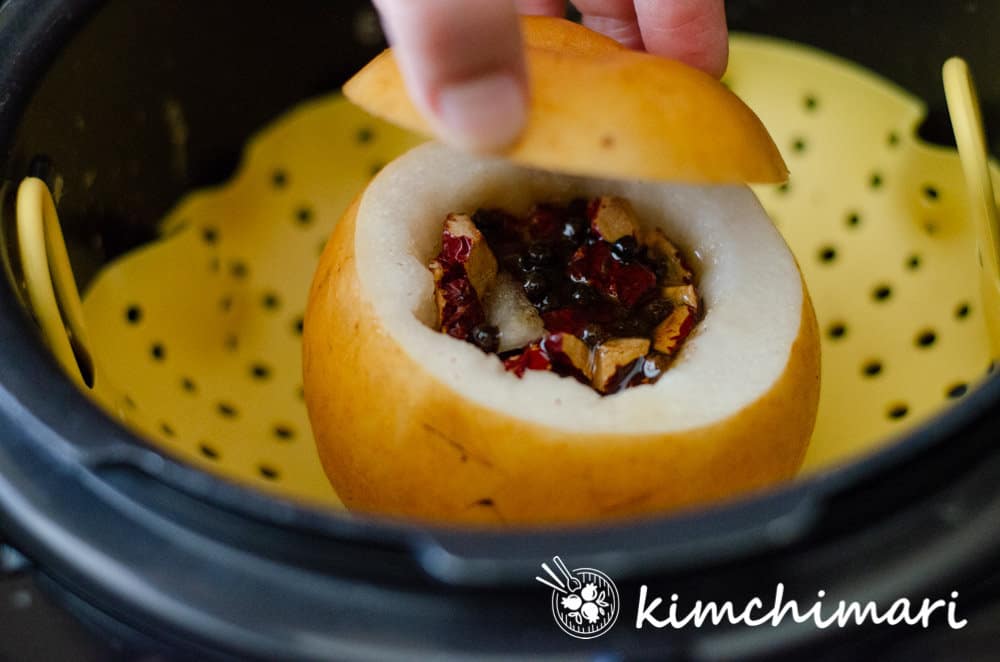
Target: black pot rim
x: 60, y: 421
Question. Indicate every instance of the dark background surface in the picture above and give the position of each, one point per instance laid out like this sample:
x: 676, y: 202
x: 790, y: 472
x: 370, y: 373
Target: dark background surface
x: 32, y: 627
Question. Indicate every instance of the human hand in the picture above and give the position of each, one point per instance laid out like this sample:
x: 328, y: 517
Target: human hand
x: 463, y: 60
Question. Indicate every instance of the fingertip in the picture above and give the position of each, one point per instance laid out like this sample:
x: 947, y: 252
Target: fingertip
x: 692, y: 31
x: 463, y: 64
x: 484, y: 114
x: 712, y: 55
x: 624, y: 31
x: 542, y: 7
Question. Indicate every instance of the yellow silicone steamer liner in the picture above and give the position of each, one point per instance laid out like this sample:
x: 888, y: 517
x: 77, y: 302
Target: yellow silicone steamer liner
x: 193, y: 341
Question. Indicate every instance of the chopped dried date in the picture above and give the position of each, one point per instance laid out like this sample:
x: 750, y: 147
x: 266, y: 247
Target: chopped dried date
x: 572, y: 319
x: 533, y: 357
x: 565, y: 320
x: 681, y: 295
x: 463, y: 272
x: 611, y: 218
x: 455, y: 250
x: 676, y: 269
x: 594, y: 265
x: 589, y: 264
x: 614, y: 356
x: 631, y: 283
x: 568, y: 352
x: 462, y: 245
x: 673, y: 331
x: 626, y: 377
x: 459, y: 307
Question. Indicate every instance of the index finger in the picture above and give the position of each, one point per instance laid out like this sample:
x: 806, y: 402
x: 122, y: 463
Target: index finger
x: 542, y: 7
x: 692, y: 31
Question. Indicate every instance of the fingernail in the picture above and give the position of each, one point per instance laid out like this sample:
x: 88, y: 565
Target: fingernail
x: 483, y: 114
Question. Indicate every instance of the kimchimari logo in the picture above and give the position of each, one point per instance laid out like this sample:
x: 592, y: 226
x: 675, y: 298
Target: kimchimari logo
x: 753, y: 613
x: 586, y: 604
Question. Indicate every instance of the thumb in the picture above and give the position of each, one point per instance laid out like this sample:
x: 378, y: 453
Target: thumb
x: 463, y: 64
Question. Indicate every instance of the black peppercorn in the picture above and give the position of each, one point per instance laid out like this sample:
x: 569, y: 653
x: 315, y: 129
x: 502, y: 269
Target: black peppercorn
x: 491, y: 222
x: 628, y: 327
x: 486, y: 337
x: 625, y: 248
x: 536, y: 286
x: 548, y: 303
x: 574, y: 230
x: 582, y: 295
x: 539, y: 254
x: 518, y: 265
x: 658, y: 267
x: 593, y: 334
x: 578, y: 207
x: 657, y: 310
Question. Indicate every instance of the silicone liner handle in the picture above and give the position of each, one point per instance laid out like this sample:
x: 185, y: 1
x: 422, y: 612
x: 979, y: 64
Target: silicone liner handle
x: 967, y: 122
x: 51, y: 288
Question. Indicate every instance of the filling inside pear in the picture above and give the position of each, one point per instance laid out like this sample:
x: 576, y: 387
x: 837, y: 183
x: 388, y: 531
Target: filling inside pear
x: 578, y: 289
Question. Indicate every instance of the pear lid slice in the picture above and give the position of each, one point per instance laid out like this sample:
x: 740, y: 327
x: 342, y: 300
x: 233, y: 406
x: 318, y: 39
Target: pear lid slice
x: 599, y: 109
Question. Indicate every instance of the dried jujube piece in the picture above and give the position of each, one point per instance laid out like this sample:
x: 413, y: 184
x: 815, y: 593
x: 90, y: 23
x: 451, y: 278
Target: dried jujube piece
x: 462, y: 244
x: 626, y: 282
x: 657, y: 244
x: 681, y: 295
x: 556, y: 350
x: 459, y: 309
x: 611, y: 218
x: 531, y: 358
x: 673, y: 331
x: 569, y: 352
